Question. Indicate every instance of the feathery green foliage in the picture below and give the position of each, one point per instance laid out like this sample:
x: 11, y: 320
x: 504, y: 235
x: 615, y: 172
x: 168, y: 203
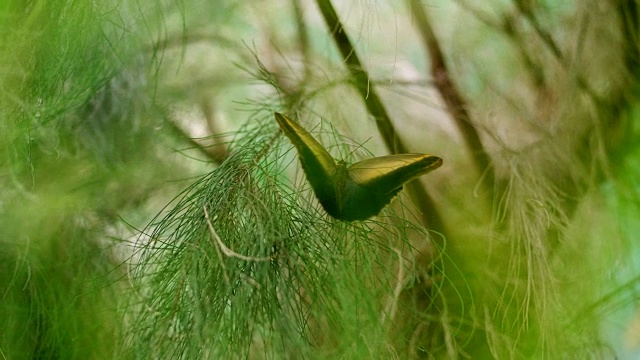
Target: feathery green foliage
x: 243, y: 265
x: 67, y: 137
x: 522, y: 245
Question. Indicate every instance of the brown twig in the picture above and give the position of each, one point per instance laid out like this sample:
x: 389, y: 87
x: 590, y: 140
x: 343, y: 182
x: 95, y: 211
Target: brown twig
x: 303, y: 37
x: 226, y: 250
x: 219, y: 151
x: 216, y: 156
x: 360, y: 79
x: 375, y: 107
x: 526, y: 11
x: 453, y: 99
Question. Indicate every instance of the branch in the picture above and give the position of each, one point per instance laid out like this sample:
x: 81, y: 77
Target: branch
x: 374, y: 105
x: 453, y: 99
x: 360, y: 79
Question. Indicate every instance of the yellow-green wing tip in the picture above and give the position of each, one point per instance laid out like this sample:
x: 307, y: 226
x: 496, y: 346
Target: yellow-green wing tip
x: 289, y: 126
x: 432, y: 162
x: 280, y: 118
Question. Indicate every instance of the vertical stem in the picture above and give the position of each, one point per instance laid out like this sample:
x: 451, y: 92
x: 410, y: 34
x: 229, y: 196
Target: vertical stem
x: 303, y: 36
x: 373, y: 103
x: 360, y: 79
x: 453, y: 99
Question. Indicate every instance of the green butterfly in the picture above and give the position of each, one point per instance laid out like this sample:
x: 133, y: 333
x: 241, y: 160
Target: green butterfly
x: 361, y: 190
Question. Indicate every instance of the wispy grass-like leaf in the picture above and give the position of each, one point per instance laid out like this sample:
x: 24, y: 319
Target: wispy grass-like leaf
x: 246, y: 264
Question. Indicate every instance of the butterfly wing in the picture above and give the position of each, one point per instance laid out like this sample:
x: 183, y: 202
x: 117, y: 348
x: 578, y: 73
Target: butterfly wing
x: 386, y: 173
x: 362, y: 190
x: 321, y: 170
x: 372, y: 184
